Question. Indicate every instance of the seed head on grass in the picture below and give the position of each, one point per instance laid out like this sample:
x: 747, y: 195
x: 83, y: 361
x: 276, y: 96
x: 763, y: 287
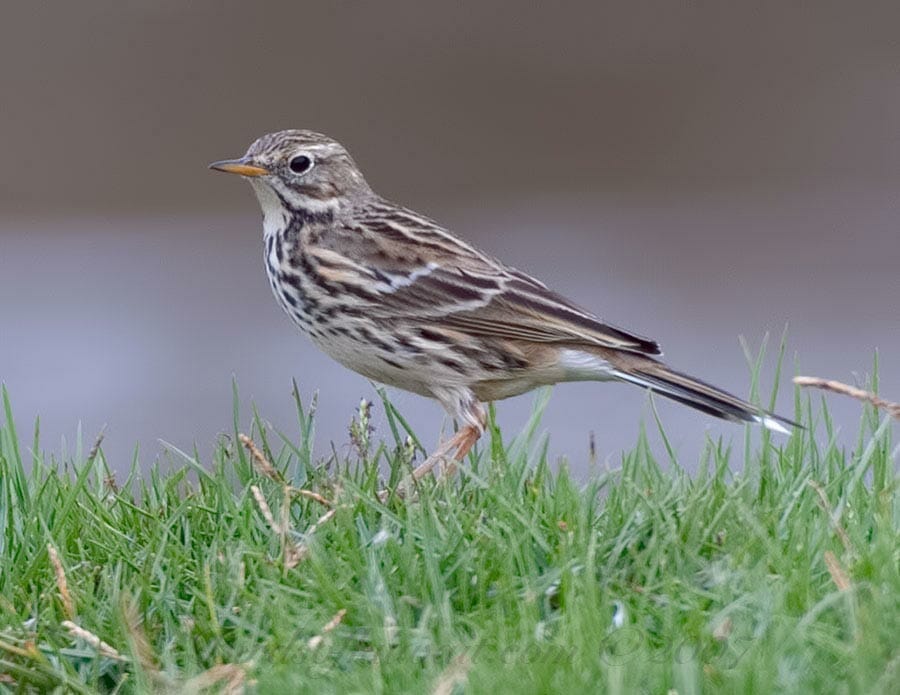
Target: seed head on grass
x: 62, y: 583
x: 262, y: 463
x: 316, y: 641
x: 837, y: 572
x: 86, y: 635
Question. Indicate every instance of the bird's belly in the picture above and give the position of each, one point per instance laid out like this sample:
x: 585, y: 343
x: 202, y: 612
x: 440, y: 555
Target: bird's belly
x: 376, y: 362
x: 498, y: 389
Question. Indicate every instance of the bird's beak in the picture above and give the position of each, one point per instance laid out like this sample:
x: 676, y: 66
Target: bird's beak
x: 241, y: 166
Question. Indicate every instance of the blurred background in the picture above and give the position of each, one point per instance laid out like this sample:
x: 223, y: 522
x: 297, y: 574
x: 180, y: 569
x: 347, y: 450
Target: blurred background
x: 693, y: 171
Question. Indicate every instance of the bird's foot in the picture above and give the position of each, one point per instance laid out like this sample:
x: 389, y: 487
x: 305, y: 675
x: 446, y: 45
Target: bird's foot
x: 459, y: 445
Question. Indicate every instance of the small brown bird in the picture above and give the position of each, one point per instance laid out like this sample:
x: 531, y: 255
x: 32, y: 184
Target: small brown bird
x: 391, y: 294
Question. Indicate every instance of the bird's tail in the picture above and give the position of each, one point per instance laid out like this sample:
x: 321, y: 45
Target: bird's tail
x: 699, y: 395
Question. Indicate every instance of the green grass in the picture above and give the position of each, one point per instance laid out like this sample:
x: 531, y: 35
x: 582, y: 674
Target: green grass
x: 513, y: 578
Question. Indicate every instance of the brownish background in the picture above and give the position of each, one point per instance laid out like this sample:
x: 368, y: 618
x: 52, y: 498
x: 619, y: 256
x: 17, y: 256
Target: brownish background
x: 693, y: 171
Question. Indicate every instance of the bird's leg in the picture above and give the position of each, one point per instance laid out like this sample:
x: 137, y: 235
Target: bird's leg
x: 466, y: 437
x: 459, y: 445
x: 425, y: 467
x: 474, y: 418
x: 452, y: 445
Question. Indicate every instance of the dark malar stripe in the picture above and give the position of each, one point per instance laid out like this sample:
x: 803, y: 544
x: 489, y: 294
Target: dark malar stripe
x: 301, y: 216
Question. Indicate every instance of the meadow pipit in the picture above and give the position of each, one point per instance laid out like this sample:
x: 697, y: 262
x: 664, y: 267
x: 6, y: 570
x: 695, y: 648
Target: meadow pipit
x: 391, y: 294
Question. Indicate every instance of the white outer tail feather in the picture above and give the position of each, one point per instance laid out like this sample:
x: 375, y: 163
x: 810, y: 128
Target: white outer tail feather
x: 762, y: 418
x: 772, y: 424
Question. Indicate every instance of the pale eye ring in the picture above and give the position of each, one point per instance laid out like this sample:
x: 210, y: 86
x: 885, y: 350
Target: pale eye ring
x: 300, y: 164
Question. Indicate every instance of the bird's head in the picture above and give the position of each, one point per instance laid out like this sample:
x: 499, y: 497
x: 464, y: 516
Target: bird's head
x: 301, y: 170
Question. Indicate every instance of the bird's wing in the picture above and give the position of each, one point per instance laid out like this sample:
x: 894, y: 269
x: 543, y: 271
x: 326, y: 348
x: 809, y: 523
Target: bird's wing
x: 415, y: 270
x: 528, y: 310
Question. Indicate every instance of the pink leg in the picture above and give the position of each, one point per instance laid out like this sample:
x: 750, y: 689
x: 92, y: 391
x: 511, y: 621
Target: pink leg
x: 459, y: 445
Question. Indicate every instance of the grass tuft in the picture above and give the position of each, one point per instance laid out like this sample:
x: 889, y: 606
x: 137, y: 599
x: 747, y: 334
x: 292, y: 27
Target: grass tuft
x: 265, y: 569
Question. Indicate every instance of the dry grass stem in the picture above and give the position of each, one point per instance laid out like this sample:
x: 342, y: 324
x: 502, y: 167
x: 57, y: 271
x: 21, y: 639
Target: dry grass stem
x: 327, y: 516
x: 835, y: 522
x: 102, y: 647
x: 315, y: 642
x: 262, y: 463
x: 61, y: 583
x: 285, y: 513
x: 293, y: 553
x: 266, y: 510
x: 455, y: 674
x: 845, y: 389
x: 231, y: 677
x: 838, y: 573
x: 296, y: 553
x: 140, y: 644
x: 29, y: 651
x: 315, y: 496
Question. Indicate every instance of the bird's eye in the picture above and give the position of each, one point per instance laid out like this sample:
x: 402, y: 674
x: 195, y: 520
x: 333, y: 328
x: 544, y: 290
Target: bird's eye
x: 300, y: 164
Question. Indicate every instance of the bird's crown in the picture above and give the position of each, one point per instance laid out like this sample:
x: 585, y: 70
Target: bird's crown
x: 284, y: 142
